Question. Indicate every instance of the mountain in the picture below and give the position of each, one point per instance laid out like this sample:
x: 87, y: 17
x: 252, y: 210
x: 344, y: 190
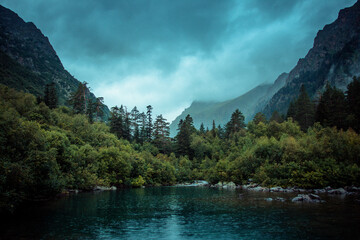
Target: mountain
x: 28, y: 61
x: 249, y: 104
x: 334, y: 59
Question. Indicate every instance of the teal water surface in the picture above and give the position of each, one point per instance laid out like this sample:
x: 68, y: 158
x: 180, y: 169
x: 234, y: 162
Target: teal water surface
x: 186, y: 213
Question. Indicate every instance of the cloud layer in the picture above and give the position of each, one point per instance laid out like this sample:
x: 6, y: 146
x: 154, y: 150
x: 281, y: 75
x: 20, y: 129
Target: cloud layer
x: 170, y: 53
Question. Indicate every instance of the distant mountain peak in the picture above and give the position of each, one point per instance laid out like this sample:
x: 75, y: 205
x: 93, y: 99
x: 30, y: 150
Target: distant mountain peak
x: 248, y: 103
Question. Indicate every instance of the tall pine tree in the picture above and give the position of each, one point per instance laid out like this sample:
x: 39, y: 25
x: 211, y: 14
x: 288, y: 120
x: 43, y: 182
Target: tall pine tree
x: 162, y: 134
x: 78, y: 99
x: 331, y: 110
x: 116, y: 122
x: 237, y: 122
x: 149, y: 123
x: 183, y: 138
x: 353, y: 102
x: 50, y: 96
x: 302, y: 110
x: 259, y: 117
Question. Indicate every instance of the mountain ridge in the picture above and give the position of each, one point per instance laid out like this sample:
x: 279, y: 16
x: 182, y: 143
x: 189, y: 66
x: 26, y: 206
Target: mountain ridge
x: 334, y: 58
x: 220, y: 112
x: 28, y: 61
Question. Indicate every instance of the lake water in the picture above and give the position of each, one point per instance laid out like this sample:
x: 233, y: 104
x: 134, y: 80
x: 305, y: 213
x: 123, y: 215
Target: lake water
x: 186, y: 213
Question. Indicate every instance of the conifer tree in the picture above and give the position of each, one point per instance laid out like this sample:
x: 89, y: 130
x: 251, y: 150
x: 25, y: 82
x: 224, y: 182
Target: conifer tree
x: 186, y: 128
x: 236, y: 123
x: 149, y: 124
x: 142, y: 121
x: 202, y: 129
x: 161, y: 134
x: 259, y: 117
x: 90, y: 110
x: 213, y: 130
x: 291, y: 113
x: 127, y: 126
x: 116, y: 122
x: 353, y: 102
x: 302, y: 110
x: 276, y: 117
x: 331, y: 110
x: 78, y: 98
x: 50, y: 96
x: 221, y: 132
x: 135, y: 123
x: 99, y: 108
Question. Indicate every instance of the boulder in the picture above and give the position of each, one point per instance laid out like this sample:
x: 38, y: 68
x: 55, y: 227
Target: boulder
x: 253, y: 185
x: 76, y: 191
x: 102, y: 188
x: 353, y: 189
x: 280, y: 199
x: 229, y: 185
x: 276, y: 189
x: 310, y: 198
x: 289, y: 190
x: 314, y: 197
x: 201, y: 183
x: 317, y: 191
x: 259, y: 189
x: 337, y: 191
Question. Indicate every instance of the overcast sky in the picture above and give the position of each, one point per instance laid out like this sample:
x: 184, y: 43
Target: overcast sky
x: 168, y: 53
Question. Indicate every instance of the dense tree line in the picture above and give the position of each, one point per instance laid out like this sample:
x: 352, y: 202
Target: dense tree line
x: 44, y: 150
x: 334, y: 108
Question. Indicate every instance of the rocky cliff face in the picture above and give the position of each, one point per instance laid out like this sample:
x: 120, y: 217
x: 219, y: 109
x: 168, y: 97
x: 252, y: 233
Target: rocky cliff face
x: 334, y: 59
x: 28, y: 61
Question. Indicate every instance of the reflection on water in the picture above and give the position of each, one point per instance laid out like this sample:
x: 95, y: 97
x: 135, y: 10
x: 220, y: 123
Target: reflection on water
x: 186, y: 213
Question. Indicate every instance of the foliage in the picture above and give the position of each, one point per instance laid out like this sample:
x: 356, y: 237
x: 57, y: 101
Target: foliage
x: 44, y: 151
x: 302, y: 110
x: 331, y: 109
x: 186, y: 128
x: 236, y: 123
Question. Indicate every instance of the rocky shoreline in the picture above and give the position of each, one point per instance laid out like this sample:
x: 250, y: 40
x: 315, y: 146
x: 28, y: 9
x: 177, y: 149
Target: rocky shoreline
x: 95, y: 189
x: 304, y: 195
x: 257, y: 188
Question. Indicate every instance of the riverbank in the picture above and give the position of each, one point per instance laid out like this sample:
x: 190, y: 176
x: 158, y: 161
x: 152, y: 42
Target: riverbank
x: 257, y: 188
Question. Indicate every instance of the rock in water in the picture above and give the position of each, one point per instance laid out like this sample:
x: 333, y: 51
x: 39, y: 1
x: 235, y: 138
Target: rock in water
x: 311, y: 198
x: 337, y: 191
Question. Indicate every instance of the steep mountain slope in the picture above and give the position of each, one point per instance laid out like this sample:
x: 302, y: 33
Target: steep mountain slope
x: 334, y: 59
x: 248, y: 103
x: 28, y: 61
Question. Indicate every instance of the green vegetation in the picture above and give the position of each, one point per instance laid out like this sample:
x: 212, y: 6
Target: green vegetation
x: 44, y: 151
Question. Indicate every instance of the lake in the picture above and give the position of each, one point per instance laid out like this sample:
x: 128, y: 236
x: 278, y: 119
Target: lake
x: 186, y: 213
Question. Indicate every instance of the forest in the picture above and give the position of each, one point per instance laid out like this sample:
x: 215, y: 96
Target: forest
x: 47, y: 149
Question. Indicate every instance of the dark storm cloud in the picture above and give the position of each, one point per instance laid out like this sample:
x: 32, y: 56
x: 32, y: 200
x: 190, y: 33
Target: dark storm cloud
x: 169, y: 53
x: 123, y: 29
